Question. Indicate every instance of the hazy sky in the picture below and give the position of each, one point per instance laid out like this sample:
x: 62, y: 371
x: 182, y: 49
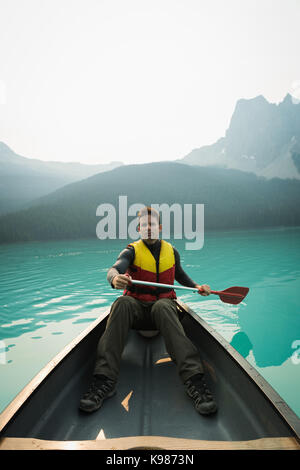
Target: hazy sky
x: 136, y: 80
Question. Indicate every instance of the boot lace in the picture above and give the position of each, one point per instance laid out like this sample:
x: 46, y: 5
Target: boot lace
x: 199, y: 392
x: 97, y: 392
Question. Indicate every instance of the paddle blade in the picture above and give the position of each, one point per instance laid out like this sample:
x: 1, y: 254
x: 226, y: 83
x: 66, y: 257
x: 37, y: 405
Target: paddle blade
x: 233, y: 295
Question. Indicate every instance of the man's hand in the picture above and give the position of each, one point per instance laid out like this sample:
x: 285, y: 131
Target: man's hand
x: 204, y: 289
x: 121, y: 281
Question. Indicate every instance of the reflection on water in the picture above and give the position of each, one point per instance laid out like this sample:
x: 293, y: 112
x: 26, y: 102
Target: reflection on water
x: 49, y: 292
x: 241, y: 342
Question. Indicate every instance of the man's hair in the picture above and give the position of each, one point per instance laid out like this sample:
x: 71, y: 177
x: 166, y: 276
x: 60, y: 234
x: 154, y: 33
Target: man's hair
x: 148, y: 210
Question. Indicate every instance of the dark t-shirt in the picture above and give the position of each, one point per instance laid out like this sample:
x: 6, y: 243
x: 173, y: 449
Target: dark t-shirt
x: 126, y: 258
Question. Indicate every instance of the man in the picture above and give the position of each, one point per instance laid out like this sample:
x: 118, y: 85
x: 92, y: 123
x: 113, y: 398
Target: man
x: 144, y: 307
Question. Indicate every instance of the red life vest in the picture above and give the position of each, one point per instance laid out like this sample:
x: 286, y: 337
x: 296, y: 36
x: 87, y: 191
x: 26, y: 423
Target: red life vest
x: 144, y: 268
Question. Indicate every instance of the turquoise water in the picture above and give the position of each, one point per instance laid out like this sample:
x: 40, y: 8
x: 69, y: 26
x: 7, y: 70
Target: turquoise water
x: 49, y: 292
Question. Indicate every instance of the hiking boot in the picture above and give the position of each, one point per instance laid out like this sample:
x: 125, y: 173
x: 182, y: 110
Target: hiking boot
x: 101, y: 388
x: 197, y: 389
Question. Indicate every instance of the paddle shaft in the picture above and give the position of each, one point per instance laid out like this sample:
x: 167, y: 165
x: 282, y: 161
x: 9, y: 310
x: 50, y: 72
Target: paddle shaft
x: 232, y: 295
x: 157, y: 284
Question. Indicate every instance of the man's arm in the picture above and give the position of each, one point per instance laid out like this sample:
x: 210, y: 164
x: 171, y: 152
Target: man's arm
x: 120, y: 267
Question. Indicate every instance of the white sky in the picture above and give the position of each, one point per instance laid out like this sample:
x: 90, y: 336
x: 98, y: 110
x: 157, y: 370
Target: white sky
x: 136, y: 80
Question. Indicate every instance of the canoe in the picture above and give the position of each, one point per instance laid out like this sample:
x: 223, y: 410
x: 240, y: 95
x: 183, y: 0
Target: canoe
x: 150, y: 409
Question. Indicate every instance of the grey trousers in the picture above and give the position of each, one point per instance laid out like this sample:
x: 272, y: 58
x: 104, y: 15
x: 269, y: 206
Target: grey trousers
x: 128, y: 312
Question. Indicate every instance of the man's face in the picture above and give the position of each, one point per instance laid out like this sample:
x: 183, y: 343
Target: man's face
x: 149, y: 228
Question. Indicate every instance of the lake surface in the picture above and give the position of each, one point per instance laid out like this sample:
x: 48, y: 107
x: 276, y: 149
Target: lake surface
x: 50, y: 292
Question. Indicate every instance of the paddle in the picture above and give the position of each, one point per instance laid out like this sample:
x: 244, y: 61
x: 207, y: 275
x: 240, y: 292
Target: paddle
x: 232, y: 295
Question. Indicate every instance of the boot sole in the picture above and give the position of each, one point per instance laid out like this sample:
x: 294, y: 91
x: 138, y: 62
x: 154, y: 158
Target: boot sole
x: 206, y: 413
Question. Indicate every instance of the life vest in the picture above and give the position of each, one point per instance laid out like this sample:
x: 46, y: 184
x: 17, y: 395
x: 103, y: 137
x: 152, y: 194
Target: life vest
x: 145, y: 268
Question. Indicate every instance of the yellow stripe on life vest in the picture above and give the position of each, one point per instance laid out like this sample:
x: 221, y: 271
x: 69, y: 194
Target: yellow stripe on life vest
x: 145, y: 260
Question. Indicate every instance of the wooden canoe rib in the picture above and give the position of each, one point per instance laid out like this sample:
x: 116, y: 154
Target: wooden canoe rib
x: 150, y: 409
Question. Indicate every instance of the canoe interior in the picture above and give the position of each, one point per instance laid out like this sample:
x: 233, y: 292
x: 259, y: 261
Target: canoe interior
x: 150, y: 399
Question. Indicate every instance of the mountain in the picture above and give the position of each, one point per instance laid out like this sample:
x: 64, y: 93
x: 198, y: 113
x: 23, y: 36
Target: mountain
x: 263, y: 138
x: 232, y: 200
x: 24, y: 179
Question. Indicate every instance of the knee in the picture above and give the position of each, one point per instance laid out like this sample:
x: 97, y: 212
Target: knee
x: 123, y: 304
x: 122, y: 312
x: 125, y: 300
x: 166, y: 306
